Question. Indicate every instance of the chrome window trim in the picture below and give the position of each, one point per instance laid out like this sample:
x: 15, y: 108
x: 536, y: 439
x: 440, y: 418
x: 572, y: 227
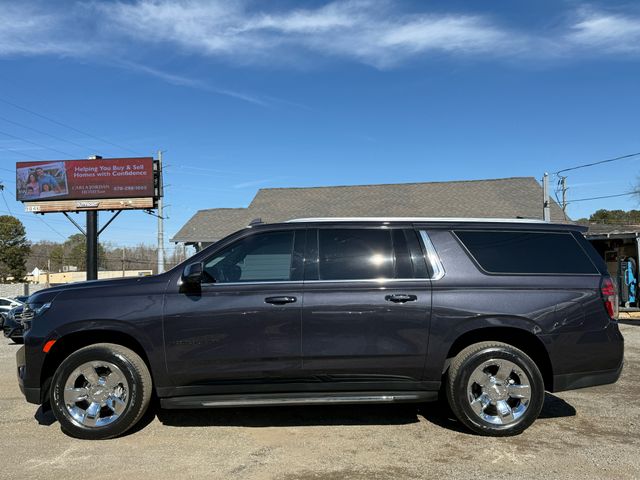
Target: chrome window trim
x: 300, y: 282
x: 274, y: 282
x: 369, y: 280
x: 432, y: 256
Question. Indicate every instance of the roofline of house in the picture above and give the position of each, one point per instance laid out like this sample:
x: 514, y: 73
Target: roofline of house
x: 401, y: 184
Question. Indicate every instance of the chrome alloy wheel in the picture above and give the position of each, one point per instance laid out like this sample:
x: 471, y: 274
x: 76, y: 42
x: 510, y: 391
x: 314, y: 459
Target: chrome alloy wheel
x: 499, y: 391
x: 96, y: 394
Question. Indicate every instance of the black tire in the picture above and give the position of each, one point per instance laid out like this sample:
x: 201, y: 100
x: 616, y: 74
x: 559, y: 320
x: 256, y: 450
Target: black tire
x: 460, y: 371
x: 133, y: 369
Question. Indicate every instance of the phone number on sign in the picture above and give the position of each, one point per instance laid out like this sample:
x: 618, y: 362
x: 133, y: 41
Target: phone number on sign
x: 134, y: 188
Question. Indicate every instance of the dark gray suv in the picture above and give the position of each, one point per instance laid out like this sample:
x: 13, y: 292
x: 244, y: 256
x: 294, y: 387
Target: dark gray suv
x: 490, y: 313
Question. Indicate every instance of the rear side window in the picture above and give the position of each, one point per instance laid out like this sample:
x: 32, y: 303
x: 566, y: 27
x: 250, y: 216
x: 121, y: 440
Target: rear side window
x: 355, y: 254
x: 527, y: 252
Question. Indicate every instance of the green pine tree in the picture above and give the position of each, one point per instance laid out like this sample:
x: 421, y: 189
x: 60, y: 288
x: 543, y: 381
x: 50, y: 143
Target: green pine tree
x: 14, y: 249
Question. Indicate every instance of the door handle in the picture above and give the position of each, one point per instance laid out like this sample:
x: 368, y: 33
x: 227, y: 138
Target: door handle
x: 280, y: 300
x: 400, y: 298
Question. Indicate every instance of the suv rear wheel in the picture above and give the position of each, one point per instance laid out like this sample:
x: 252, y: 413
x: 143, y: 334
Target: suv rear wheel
x: 100, y: 391
x: 495, y: 389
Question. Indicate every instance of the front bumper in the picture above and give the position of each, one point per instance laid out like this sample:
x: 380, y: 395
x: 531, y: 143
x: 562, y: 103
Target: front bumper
x: 12, y: 327
x: 31, y: 394
x: 13, y: 331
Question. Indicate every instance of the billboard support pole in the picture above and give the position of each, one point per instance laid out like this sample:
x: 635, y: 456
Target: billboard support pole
x: 118, y: 212
x: 92, y: 245
x: 75, y: 223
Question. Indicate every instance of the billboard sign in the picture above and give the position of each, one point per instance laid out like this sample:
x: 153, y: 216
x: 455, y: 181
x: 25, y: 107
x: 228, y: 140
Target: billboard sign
x: 78, y: 182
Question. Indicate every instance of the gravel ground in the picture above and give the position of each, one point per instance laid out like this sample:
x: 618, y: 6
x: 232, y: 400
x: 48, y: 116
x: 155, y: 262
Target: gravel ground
x: 589, y: 433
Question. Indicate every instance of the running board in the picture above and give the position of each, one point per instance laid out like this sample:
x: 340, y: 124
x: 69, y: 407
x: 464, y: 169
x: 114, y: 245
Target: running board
x: 279, y: 399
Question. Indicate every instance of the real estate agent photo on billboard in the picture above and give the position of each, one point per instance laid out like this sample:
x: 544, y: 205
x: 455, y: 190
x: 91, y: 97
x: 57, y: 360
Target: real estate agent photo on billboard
x: 41, y: 181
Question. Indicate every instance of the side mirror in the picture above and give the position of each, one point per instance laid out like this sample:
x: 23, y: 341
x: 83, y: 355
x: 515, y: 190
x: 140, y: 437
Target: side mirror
x: 192, y: 274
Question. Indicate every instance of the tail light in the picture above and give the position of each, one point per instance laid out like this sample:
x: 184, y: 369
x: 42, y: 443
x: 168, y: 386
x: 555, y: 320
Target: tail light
x: 609, y: 297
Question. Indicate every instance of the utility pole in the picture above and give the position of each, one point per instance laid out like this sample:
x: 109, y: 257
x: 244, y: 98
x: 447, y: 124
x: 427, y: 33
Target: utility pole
x: 563, y: 188
x: 546, y: 213
x: 160, y: 216
x: 123, y: 261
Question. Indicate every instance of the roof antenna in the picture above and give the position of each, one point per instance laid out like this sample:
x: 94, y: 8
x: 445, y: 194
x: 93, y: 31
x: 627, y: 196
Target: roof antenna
x: 255, y: 221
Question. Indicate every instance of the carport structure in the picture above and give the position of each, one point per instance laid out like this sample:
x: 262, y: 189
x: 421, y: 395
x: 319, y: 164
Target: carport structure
x: 616, y: 243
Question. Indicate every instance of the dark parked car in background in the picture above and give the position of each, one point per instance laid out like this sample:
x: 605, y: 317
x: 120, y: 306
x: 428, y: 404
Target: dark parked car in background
x: 490, y: 313
x: 7, y: 304
x: 12, y: 327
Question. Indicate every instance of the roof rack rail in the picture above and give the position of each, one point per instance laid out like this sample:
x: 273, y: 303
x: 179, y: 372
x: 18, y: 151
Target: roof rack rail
x: 256, y: 221
x: 417, y: 219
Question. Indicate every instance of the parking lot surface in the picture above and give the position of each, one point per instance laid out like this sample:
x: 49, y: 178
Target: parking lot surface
x: 589, y: 433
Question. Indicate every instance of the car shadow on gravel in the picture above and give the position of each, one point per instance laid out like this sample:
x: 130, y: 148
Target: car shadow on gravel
x: 556, y: 407
x: 45, y: 416
x: 630, y: 322
x: 436, y: 413
x: 441, y: 414
x: 311, y: 415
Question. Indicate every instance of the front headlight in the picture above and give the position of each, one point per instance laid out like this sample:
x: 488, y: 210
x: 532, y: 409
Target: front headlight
x: 31, y: 310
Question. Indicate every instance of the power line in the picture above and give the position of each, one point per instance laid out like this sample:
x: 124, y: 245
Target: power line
x: 105, y: 257
x: 51, y: 228
x: 39, y: 217
x: 604, y: 196
x: 45, y: 133
x: 19, y: 152
x: 36, y: 144
x: 5, y: 199
x: 24, y: 109
x: 623, y: 157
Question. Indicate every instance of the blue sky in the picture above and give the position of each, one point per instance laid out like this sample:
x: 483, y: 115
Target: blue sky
x: 244, y: 95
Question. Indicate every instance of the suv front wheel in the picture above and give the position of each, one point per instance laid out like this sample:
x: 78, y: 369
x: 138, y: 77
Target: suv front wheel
x: 100, y: 391
x: 495, y: 389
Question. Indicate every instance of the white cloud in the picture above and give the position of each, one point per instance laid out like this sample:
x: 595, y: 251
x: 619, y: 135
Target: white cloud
x: 613, y: 33
x: 25, y: 31
x: 375, y: 32
x: 136, y: 34
x: 372, y: 32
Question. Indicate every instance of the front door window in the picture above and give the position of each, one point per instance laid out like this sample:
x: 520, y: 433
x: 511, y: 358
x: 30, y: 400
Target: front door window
x: 264, y: 257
